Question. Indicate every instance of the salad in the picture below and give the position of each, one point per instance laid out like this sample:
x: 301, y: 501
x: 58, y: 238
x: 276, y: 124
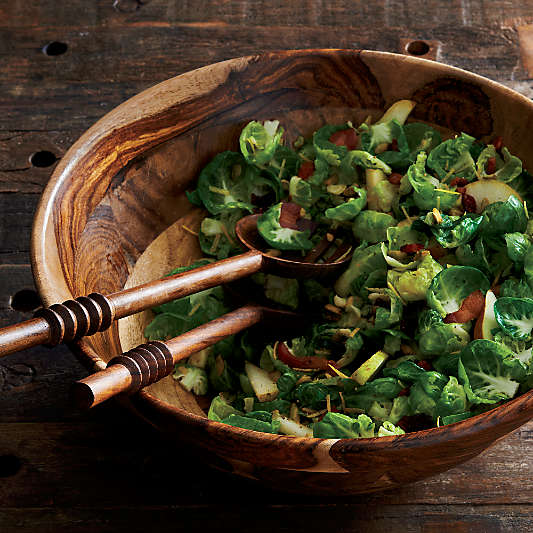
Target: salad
x: 431, y: 322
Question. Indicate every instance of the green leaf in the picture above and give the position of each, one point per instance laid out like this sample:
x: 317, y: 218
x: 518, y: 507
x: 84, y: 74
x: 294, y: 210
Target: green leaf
x: 360, y: 158
x: 515, y: 316
x: 221, y: 376
x: 349, y: 209
x: 420, y: 138
x: 528, y: 267
x: 378, y: 390
x: 228, y: 183
x: 220, y: 409
x: 437, y: 338
x: 247, y: 422
x: 313, y: 395
x: 372, y: 226
x: 452, y: 419
x: 384, y: 133
x: 426, y: 392
x: 282, y: 290
x: 283, y: 406
x: 339, y: 426
x: 452, y: 285
x: 279, y: 237
x: 388, y: 429
x: 384, y: 196
x: 447, y: 363
x: 453, y: 231
x: 452, y: 400
x: 517, y: 246
x: 500, y: 218
x: 399, y: 236
x: 400, y: 408
x: 406, y: 371
x: 506, y: 170
x: 428, y: 193
x: 329, y: 152
x: 365, y: 261
x: 516, y: 288
x: 258, y: 141
x: 489, y: 372
x: 413, y: 285
x: 387, y: 318
x: 474, y: 257
x: 452, y: 158
x: 217, y: 237
x: 302, y: 192
x: 179, y: 316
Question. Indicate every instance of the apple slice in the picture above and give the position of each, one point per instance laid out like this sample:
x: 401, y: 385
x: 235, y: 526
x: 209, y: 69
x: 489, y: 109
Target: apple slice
x: 487, y: 320
x: 488, y: 191
x: 399, y: 110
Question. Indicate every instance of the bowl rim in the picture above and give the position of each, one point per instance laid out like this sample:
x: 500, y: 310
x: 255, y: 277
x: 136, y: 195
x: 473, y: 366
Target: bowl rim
x: 44, y: 253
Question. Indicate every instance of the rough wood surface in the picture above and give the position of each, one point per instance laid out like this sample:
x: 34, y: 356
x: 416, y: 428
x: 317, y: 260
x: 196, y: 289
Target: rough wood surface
x: 85, y: 472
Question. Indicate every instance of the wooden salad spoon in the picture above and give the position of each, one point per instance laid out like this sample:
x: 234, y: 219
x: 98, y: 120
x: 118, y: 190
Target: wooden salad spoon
x: 87, y: 315
x: 152, y: 361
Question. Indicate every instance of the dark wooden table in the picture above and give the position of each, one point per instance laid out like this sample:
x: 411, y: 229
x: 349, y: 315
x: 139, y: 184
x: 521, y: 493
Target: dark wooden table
x: 62, y: 470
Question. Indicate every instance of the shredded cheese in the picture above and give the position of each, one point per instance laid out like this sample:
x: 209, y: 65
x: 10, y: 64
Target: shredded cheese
x: 189, y: 230
x: 338, y: 372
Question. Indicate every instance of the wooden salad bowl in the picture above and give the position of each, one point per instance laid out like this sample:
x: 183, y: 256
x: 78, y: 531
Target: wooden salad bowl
x: 114, y: 212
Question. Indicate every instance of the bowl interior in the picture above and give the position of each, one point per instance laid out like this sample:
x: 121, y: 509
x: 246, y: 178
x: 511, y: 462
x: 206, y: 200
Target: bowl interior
x: 129, y: 221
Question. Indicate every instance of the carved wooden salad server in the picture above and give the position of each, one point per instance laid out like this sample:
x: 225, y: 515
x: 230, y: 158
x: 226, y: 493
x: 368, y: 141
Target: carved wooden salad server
x: 87, y: 315
x: 152, y: 361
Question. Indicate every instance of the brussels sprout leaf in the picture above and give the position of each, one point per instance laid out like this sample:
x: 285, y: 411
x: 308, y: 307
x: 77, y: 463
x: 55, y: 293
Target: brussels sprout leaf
x: 489, y: 371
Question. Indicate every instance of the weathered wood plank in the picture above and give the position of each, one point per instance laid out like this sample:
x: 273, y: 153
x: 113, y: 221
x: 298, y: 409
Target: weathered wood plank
x: 16, y: 218
x: 107, y: 455
x: 404, y: 13
x: 34, y: 383
x: 17, y: 173
x: 147, y: 53
x: 213, y: 516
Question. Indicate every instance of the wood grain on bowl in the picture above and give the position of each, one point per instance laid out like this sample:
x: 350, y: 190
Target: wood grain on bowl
x: 113, y: 216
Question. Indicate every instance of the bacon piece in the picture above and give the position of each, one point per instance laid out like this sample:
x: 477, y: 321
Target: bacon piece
x: 411, y: 248
x: 471, y: 308
x: 395, y: 178
x: 346, y: 138
x: 311, y: 361
x: 497, y: 142
x: 458, y: 182
x: 426, y: 365
x: 306, y: 170
x: 469, y: 203
x: 289, y: 215
x: 490, y: 167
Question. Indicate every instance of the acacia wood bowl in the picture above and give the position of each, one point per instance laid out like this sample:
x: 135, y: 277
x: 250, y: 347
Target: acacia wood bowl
x: 113, y: 212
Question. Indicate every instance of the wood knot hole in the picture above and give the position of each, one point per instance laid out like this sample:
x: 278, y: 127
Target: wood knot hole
x: 25, y: 300
x: 127, y: 6
x: 55, y: 48
x: 43, y: 158
x: 417, y: 48
x: 9, y: 465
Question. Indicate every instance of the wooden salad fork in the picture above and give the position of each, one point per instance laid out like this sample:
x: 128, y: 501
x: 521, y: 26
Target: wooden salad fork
x: 152, y: 361
x: 87, y: 315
